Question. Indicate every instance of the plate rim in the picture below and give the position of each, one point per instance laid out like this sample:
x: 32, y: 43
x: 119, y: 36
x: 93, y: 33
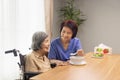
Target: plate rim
x: 80, y: 63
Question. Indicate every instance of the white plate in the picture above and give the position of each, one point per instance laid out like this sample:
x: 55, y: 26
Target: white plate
x: 79, y: 63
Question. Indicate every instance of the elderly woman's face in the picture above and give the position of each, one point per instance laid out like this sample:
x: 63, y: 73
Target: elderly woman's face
x: 66, y: 34
x: 45, y: 45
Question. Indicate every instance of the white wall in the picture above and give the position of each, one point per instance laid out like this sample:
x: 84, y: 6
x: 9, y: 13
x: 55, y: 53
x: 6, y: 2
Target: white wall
x: 102, y: 24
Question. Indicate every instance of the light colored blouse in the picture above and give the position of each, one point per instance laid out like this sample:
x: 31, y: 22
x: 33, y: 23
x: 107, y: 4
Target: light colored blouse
x: 35, y: 63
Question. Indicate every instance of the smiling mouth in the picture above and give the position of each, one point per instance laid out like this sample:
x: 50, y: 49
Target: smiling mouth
x: 65, y: 37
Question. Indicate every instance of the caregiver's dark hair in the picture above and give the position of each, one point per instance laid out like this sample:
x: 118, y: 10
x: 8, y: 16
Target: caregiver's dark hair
x: 37, y: 39
x: 70, y: 24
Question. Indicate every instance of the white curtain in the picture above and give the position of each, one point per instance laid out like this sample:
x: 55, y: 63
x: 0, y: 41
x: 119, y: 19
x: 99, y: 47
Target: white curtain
x: 49, y: 16
x: 19, y: 19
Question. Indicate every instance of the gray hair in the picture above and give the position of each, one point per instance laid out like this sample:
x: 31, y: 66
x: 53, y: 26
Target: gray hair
x: 37, y: 39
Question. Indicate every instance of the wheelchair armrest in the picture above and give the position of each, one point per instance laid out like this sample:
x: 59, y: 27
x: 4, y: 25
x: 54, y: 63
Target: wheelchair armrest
x: 27, y: 75
x: 32, y: 73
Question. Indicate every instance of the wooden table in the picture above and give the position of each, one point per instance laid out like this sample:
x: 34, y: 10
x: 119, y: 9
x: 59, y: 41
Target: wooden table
x: 106, y: 68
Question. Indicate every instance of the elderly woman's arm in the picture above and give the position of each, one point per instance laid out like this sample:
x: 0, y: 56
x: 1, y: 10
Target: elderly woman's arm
x: 59, y: 62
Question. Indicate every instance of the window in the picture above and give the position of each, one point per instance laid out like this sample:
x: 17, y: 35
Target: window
x: 19, y: 19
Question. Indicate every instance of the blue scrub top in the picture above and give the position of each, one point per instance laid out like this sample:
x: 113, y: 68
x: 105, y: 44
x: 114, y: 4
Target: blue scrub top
x: 59, y: 53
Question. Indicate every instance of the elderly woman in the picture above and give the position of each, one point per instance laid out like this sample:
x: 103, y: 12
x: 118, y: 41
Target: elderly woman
x: 67, y: 43
x: 37, y: 61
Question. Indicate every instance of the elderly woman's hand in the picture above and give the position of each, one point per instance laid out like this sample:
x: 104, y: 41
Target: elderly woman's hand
x: 59, y: 62
x: 62, y: 63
